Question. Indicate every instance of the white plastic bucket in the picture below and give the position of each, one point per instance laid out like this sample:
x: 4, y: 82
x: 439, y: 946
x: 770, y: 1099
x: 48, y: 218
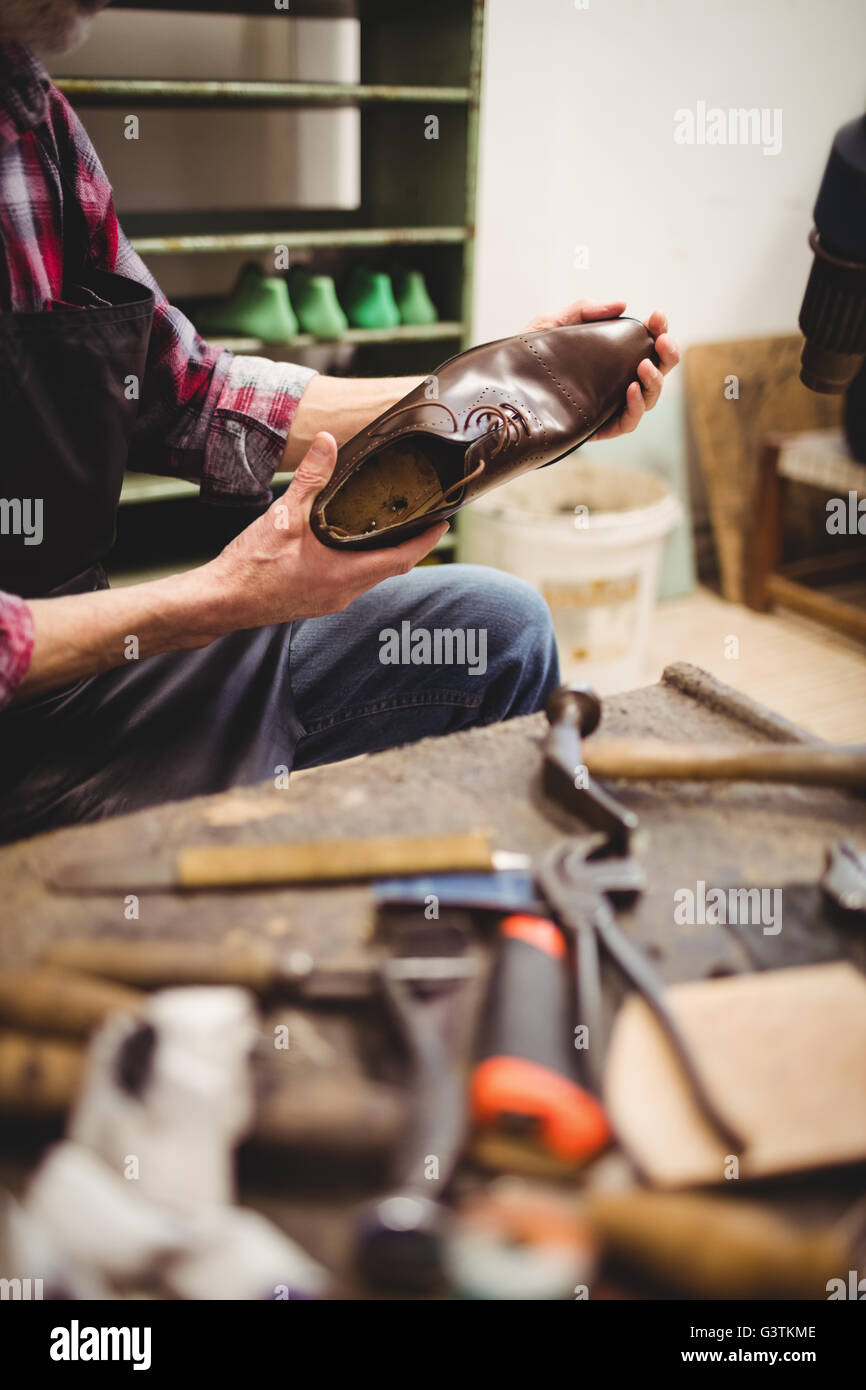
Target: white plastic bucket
x: 589, y: 537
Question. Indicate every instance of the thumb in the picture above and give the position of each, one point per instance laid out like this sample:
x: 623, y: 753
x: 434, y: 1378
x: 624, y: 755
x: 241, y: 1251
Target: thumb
x: 587, y: 311
x: 311, y: 474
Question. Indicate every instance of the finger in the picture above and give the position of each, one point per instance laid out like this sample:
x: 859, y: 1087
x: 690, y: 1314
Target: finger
x: 656, y: 323
x: 628, y: 418
x: 311, y: 474
x: 668, y: 352
x: 581, y: 311
x: 631, y: 416
x: 587, y: 311
x: 399, y: 559
x: 651, y: 381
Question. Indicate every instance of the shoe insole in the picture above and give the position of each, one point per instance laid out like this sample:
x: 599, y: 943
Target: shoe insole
x: 399, y: 484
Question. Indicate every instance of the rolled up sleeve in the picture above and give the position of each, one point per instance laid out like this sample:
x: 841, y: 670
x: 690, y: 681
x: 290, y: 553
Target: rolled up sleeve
x: 249, y: 427
x: 206, y: 414
x: 16, y: 644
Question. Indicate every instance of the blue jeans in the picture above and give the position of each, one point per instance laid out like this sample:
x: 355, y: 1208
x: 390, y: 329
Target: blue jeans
x: 432, y: 651
x: 356, y: 691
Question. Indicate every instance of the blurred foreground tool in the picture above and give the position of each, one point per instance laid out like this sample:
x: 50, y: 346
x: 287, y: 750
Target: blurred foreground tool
x: 165, y: 1099
x: 61, y: 1001
x: 782, y: 1051
x: 580, y: 887
x: 174, y: 1088
x: 844, y: 879
x: 427, y: 985
x: 526, y: 1100
x: 260, y: 967
x: 38, y: 1076
x: 571, y: 763
x: 248, y: 866
x: 517, y: 1240
x: 580, y: 890
x: 574, y: 712
x: 335, y: 1115
x: 503, y: 891
x: 715, y: 1247
x: 654, y: 760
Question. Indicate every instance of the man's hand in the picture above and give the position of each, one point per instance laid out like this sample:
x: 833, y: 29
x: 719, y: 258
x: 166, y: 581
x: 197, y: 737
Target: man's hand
x: 273, y: 572
x: 643, y: 394
x: 276, y: 570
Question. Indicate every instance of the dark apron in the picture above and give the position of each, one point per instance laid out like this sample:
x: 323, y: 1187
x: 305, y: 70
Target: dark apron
x: 181, y: 724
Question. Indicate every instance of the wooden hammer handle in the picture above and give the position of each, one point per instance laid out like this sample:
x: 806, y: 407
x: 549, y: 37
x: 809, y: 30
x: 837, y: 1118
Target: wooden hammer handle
x: 228, y: 866
x: 810, y: 765
x: 159, y: 964
x: 335, y: 1114
x: 60, y: 1001
x: 38, y: 1076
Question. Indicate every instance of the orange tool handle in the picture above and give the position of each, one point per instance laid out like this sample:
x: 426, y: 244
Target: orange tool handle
x: 524, y: 1083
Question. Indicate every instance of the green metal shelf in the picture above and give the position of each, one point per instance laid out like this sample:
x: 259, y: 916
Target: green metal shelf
x: 307, y: 9
x: 447, y: 328
x: 116, y: 91
x: 267, y: 238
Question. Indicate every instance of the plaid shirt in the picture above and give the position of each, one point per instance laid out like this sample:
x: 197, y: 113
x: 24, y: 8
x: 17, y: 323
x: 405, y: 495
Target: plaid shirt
x: 204, y: 414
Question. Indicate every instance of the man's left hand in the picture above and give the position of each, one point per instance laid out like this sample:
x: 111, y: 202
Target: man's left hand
x: 643, y: 394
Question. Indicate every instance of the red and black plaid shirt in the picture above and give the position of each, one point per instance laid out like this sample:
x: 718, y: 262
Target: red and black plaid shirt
x: 205, y: 414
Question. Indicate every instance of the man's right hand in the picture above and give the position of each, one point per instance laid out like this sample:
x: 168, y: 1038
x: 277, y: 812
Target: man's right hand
x: 273, y: 572
x: 276, y: 570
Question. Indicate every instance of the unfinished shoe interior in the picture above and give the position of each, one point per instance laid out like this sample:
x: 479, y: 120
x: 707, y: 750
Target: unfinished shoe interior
x: 402, y: 482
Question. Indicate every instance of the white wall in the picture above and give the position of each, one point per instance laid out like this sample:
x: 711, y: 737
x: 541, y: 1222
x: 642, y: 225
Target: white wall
x: 221, y: 159
x: 577, y: 148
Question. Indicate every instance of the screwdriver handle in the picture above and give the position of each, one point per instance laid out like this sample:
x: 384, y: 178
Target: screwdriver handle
x: 235, y: 866
x: 524, y: 1086
x: 162, y: 964
x: 38, y: 1076
x: 60, y: 1001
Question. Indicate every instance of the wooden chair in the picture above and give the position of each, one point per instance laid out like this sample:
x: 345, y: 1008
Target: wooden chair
x: 737, y: 394
x: 819, y: 459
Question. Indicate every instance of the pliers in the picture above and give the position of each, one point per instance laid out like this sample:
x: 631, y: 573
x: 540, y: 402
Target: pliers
x: 580, y: 889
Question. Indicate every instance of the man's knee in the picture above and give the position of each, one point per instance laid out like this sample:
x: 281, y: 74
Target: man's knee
x: 513, y: 612
x: 522, y: 666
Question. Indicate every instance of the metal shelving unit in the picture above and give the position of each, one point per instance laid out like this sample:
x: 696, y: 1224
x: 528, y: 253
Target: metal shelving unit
x: 415, y: 193
x: 184, y: 243
x: 119, y: 91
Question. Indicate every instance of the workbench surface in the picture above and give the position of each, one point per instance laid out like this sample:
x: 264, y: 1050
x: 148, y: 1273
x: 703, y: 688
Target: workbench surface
x: 742, y: 834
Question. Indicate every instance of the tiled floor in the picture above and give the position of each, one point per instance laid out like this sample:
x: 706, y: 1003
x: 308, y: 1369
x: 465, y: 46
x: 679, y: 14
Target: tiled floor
x: 799, y: 668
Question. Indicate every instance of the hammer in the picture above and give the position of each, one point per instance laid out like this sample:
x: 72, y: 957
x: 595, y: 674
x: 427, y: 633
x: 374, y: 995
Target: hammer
x: 47, y: 1012
x: 574, y: 712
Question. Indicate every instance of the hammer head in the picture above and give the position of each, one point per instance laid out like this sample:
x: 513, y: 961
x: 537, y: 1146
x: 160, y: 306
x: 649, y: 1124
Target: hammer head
x: 573, y: 712
x: 578, y: 705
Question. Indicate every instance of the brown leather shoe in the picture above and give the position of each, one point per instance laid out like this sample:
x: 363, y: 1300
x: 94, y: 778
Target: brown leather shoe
x: 483, y: 417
